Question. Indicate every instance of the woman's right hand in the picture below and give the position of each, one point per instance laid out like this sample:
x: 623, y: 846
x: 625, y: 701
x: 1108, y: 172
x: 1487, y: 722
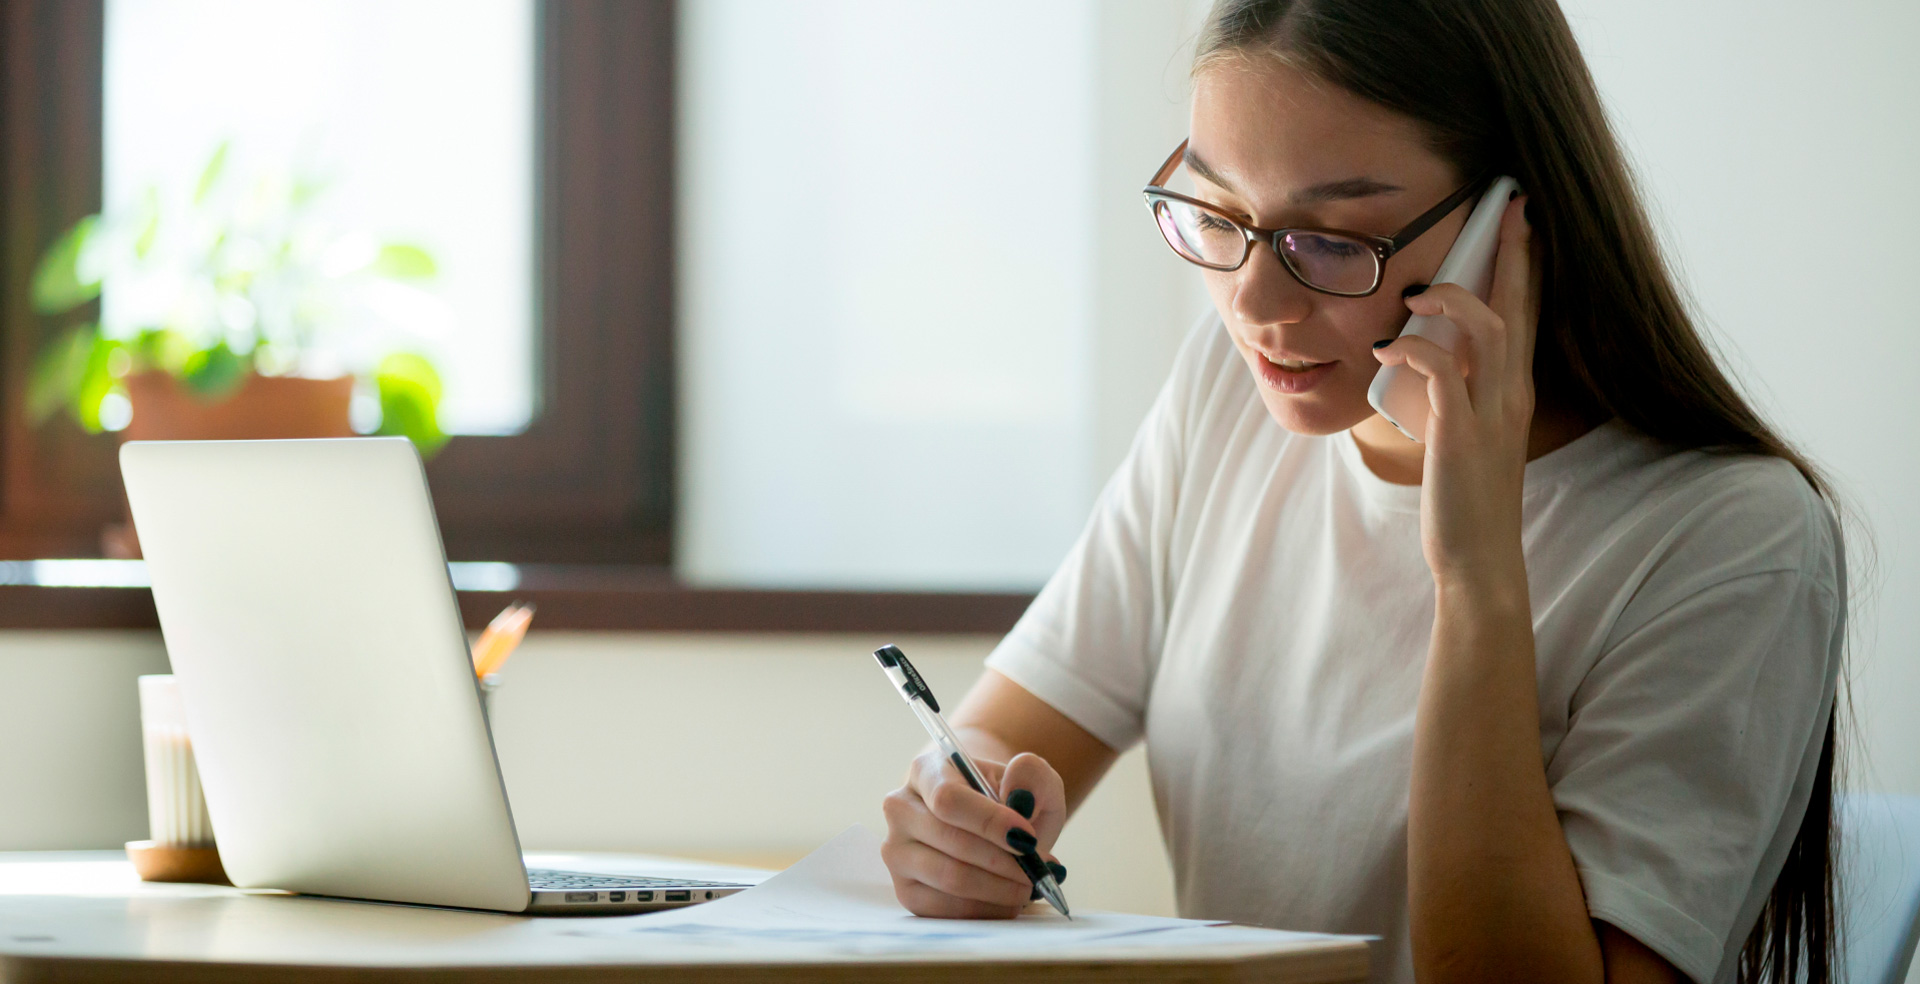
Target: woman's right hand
x: 951, y: 850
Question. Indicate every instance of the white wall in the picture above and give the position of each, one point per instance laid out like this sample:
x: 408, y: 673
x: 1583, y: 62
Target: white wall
x: 922, y: 306
x: 1778, y: 143
x: 752, y: 748
x: 70, y: 768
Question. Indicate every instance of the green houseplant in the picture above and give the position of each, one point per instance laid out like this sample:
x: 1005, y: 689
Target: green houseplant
x: 235, y: 304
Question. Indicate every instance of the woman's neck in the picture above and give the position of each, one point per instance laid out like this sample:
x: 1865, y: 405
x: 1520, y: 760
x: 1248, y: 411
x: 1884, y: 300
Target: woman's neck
x: 1395, y: 458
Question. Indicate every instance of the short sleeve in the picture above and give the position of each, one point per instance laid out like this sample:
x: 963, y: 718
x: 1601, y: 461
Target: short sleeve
x: 1692, y: 745
x: 1090, y: 641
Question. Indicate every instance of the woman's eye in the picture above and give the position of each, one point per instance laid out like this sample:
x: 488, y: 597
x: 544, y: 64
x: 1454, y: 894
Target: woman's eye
x: 1338, y: 249
x: 1213, y: 223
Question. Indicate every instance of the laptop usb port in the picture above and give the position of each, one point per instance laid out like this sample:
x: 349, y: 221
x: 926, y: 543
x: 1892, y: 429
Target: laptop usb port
x: 583, y: 896
x: 679, y: 896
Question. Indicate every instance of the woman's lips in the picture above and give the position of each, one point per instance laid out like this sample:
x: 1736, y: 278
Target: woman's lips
x: 1290, y: 381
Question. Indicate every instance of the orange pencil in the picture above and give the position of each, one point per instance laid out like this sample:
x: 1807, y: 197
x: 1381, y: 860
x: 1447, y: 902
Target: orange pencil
x: 501, y: 637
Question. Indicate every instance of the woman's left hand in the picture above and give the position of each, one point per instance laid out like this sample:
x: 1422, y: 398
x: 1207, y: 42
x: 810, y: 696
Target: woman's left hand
x: 1482, y: 400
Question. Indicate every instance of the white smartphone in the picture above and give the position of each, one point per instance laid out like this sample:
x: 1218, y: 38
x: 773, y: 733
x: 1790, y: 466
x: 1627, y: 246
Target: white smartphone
x: 1399, y: 393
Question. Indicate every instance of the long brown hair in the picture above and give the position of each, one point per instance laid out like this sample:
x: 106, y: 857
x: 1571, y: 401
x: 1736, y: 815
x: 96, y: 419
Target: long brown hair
x: 1500, y: 86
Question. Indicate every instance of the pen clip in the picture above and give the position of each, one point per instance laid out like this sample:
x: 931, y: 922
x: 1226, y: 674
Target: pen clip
x: 890, y: 657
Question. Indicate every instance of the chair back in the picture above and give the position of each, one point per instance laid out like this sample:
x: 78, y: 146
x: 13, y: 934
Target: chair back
x: 1880, y: 886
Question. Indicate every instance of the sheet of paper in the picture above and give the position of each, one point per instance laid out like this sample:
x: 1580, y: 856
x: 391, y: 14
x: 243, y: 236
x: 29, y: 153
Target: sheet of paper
x: 840, y: 900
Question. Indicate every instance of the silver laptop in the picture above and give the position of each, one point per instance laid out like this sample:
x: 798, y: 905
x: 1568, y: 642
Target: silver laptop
x: 338, y: 727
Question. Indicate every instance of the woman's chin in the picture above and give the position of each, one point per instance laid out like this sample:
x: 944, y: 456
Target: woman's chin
x: 1312, y: 414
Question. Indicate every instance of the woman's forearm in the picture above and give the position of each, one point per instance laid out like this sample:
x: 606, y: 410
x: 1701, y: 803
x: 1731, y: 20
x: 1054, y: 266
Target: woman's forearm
x: 1493, y: 894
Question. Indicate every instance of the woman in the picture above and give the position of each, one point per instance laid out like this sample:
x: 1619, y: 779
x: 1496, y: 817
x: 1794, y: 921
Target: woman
x: 1549, y: 696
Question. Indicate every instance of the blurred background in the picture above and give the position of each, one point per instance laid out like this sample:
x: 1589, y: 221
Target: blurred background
x: 745, y: 336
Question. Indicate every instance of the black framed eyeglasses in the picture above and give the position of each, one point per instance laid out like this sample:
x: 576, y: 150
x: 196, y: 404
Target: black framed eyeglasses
x: 1332, y: 261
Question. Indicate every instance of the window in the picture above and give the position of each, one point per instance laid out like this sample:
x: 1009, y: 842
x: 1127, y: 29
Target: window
x: 587, y: 476
x: 415, y: 120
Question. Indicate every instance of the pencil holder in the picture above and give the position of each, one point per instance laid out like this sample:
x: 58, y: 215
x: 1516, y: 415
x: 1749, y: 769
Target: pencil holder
x: 489, y: 685
x: 181, y: 847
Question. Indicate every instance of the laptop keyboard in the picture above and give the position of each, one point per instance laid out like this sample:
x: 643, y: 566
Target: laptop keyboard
x: 549, y: 880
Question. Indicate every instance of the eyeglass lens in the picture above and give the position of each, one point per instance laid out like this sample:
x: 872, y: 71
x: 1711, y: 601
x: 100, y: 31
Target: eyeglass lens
x: 1330, y: 262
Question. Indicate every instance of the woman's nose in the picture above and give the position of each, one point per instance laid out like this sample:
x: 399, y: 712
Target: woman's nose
x: 1265, y: 293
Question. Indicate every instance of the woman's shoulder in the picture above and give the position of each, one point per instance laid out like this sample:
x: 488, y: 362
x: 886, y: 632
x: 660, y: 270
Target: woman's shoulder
x: 1733, y: 513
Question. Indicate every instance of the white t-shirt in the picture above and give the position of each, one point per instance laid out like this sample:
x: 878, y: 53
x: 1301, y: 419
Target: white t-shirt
x: 1254, y: 604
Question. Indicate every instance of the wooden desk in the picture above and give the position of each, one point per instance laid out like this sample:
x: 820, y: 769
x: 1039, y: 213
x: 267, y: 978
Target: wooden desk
x: 85, y: 917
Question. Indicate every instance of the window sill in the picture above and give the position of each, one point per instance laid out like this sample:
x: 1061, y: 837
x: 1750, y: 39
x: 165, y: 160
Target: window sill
x: 595, y: 598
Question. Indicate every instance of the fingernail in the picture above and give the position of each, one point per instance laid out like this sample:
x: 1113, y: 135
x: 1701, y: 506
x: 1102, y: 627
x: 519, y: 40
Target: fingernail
x: 1021, y: 801
x: 1414, y: 289
x: 1059, y: 871
x: 1383, y: 343
x: 1021, y: 841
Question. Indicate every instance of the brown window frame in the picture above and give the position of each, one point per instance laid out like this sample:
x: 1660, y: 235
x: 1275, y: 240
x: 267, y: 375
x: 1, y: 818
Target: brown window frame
x: 586, y: 494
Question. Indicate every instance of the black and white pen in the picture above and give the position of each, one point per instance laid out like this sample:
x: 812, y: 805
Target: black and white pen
x: 919, y: 696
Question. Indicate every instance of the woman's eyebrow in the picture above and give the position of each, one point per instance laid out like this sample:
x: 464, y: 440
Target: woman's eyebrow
x: 1326, y: 191
x: 1205, y: 170
x: 1332, y: 191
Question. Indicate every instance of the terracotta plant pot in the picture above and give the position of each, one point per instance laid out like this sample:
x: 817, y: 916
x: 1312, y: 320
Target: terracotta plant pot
x: 262, y: 408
